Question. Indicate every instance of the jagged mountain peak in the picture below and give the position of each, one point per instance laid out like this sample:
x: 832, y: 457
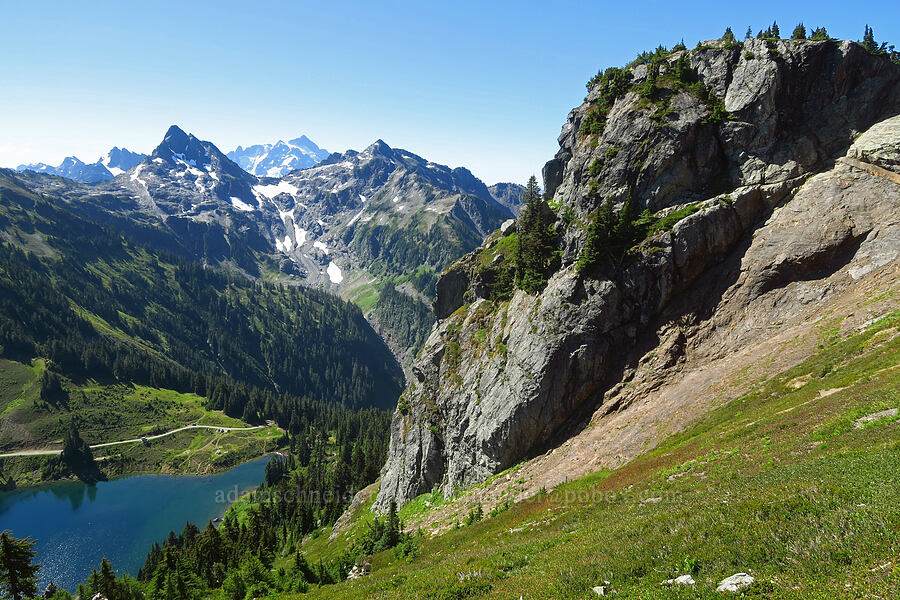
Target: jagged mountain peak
x: 381, y: 148
x: 71, y: 161
x: 178, y: 145
x: 304, y: 142
x: 118, y: 160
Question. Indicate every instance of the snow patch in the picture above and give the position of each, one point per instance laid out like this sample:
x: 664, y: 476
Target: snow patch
x: 115, y: 171
x: 272, y: 190
x: 179, y: 157
x: 300, y: 234
x: 284, y: 245
x: 136, y: 176
x: 396, y: 199
x: 362, y: 198
x: 241, y: 205
x: 320, y: 246
x: 285, y: 215
x: 334, y: 273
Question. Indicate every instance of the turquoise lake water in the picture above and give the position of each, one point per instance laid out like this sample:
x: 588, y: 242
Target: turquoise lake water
x: 75, y: 525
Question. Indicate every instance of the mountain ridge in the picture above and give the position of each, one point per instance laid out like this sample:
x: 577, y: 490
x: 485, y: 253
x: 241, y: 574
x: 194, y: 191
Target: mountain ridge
x: 115, y: 162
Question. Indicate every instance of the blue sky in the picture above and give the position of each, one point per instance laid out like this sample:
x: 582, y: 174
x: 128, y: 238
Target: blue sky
x: 486, y: 85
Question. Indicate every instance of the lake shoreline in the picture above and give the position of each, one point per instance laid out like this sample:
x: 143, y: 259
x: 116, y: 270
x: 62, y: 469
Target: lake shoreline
x: 156, y: 458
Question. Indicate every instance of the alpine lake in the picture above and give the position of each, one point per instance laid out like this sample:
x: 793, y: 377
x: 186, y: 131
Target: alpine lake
x: 75, y: 525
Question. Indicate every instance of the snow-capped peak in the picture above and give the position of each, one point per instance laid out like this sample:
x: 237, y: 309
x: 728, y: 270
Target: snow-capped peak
x: 280, y: 158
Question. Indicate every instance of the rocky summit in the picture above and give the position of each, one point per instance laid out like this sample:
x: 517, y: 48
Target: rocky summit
x: 748, y: 185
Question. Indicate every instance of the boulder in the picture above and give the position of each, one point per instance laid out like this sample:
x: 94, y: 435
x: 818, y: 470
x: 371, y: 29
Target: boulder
x: 879, y: 145
x: 735, y: 583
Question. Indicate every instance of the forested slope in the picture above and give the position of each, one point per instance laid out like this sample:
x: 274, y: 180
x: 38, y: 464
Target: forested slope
x: 99, y: 305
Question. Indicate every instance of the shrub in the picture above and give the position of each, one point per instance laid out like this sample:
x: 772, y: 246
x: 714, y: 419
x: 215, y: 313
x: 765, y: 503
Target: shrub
x: 614, y: 83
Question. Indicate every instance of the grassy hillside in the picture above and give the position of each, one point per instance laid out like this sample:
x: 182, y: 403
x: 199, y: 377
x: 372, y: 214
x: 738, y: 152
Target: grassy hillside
x: 795, y: 482
x: 115, y: 412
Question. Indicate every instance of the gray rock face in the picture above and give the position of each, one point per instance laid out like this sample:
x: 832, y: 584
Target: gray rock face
x: 495, y: 383
x: 510, y: 195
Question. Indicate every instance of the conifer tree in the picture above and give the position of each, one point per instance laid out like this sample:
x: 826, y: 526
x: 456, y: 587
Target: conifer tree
x: 799, y: 32
x: 77, y: 455
x: 18, y: 576
x: 775, y: 32
x: 871, y: 46
x: 728, y: 36
x: 820, y: 34
x: 392, y: 527
x: 536, y: 241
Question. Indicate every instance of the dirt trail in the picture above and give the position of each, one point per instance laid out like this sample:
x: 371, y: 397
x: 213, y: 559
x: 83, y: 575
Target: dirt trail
x: 131, y: 441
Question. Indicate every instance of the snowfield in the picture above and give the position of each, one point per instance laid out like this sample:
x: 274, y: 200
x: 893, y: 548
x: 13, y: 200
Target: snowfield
x: 272, y: 190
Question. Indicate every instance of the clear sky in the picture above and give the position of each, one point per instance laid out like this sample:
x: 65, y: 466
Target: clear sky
x: 485, y: 85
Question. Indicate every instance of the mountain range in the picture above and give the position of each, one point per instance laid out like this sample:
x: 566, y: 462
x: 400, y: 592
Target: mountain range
x: 264, y: 160
x: 354, y: 223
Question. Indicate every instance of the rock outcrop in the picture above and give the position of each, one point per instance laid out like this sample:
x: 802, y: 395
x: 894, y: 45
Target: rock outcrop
x: 497, y: 382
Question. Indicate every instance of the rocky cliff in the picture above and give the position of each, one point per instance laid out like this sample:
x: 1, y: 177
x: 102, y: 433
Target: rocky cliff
x: 721, y: 146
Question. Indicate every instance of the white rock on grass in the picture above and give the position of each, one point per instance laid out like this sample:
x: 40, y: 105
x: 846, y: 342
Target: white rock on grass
x: 603, y: 590
x: 735, y: 583
x: 680, y: 580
